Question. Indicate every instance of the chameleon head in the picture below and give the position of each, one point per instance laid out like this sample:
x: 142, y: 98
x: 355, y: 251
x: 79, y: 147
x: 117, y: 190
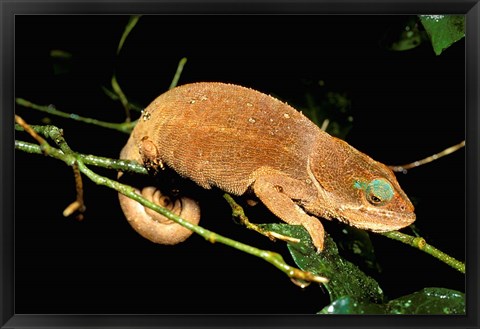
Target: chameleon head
x: 380, y: 205
x: 362, y: 192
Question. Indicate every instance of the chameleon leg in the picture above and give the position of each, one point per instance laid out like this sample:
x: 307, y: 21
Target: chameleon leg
x: 276, y: 191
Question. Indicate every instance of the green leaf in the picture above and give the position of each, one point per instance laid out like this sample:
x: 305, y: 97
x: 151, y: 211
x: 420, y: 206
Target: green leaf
x: 345, y: 278
x: 359, y: 246
x: 429, y: 301
x: 443, y: 30
x: 347, y: 305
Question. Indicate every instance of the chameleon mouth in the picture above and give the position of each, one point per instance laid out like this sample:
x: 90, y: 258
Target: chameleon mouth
x: 380, y: 220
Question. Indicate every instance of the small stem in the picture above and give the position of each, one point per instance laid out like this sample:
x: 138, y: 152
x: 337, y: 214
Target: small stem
x: 123, y: 98
x: 130, y: 25
x: 43, y: 143
x: 125, y: 127
x: 238, y: 212
x: 115, y: 97
x: 421, y: 244
x: 78, y: 205
x: 176, y: 77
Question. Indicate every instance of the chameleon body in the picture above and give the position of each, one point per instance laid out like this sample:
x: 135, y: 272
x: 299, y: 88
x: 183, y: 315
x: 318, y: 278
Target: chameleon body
x: 243, y: 141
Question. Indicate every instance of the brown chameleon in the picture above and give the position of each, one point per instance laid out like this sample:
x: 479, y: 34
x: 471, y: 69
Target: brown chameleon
x: 243, y: 141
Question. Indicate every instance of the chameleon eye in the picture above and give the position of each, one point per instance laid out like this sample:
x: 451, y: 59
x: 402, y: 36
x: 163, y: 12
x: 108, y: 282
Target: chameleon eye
x: 379, y: 191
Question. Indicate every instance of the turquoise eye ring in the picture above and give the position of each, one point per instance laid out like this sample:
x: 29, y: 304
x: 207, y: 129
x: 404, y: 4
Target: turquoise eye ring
x: 379, y: 191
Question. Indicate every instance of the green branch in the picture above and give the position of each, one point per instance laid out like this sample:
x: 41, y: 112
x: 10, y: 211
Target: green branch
x: 417, y: 242
x: 70, y: 157
x: 134, y: 167
x: 97, y: 161
x: 421, y: 244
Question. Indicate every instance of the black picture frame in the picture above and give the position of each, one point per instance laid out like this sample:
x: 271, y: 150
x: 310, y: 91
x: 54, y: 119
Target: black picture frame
x: 9, y: 319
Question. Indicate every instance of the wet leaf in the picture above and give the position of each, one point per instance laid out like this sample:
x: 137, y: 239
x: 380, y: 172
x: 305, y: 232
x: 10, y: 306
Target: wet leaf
x: 429, y: 301
x: 345, y: 278
x: 347, y: 305
x: 443, y: 30
x: 359, y: 246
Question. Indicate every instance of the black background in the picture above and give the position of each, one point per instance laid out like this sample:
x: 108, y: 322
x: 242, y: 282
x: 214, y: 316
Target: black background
x: 406, y: 106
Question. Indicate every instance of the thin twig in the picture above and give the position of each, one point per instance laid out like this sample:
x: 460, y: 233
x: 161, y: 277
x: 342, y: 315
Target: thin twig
x: 451, y: 149
x: 78, y: 205
x: 125, y: 127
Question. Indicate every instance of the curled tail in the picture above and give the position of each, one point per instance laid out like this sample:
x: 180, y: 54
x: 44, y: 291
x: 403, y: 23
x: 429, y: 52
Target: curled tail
x: 148, y: 223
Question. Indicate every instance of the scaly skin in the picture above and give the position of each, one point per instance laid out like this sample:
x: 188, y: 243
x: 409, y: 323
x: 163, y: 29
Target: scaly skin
x: 241, y: 141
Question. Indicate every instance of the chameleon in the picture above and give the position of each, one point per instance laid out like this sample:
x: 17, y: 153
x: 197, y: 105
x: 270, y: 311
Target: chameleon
x: 245, y: 142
